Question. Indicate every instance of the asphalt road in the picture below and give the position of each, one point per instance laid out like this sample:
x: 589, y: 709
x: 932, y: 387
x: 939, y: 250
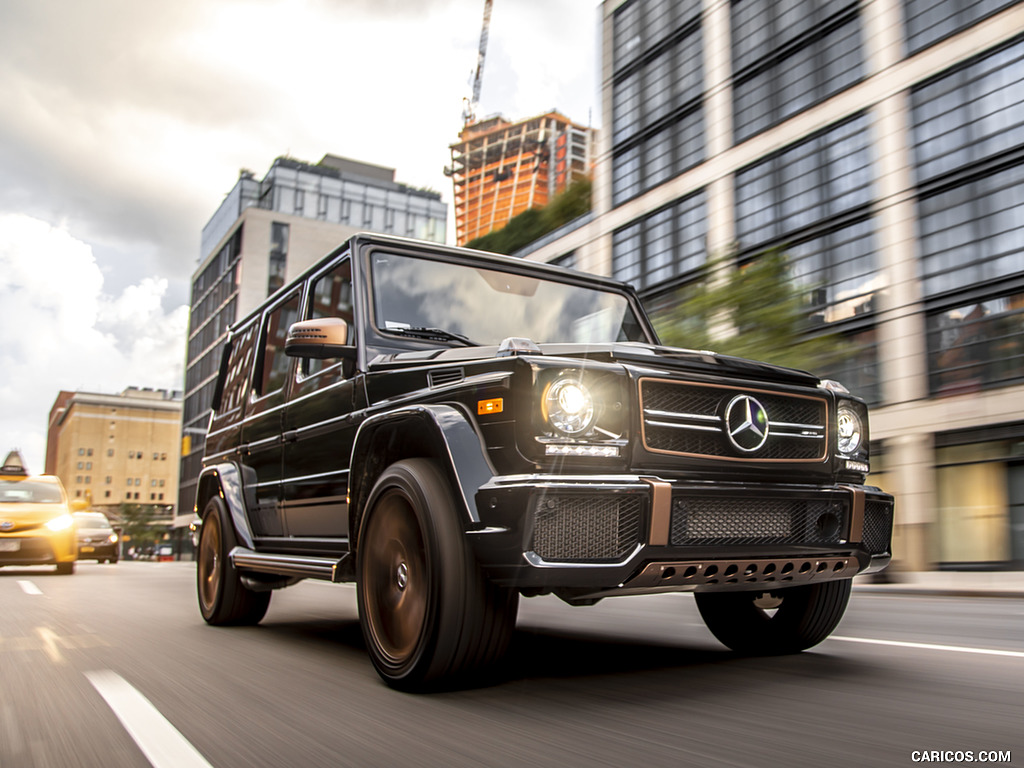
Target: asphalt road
x: 113, y: 666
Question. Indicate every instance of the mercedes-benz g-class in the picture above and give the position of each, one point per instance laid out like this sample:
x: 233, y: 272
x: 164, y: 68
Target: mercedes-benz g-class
x: 451, y: 429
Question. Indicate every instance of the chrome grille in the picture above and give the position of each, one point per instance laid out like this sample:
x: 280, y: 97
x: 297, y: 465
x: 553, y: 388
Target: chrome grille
x: 737, y: 521
x: 568, y: 528
x: 688, y: 419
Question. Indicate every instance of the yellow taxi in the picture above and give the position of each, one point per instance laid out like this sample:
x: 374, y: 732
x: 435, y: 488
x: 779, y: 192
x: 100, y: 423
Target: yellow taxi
x: 36, y: 527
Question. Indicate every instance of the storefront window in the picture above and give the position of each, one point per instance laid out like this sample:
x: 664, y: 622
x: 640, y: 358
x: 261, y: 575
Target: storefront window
x: 973, y: 520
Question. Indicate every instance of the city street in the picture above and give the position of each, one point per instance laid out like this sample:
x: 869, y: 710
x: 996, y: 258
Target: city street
x: 113, y: 666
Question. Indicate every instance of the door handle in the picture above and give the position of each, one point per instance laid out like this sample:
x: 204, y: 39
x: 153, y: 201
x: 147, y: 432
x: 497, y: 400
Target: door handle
x: 291, y: 436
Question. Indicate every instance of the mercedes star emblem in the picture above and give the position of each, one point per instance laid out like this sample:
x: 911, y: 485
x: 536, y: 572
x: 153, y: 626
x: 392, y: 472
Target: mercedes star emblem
x: 746, y: 423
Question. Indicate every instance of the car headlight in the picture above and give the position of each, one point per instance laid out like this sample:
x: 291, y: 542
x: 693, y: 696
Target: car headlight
x: 61, y: 523
x: 569, y: 407
x: 851, y: 430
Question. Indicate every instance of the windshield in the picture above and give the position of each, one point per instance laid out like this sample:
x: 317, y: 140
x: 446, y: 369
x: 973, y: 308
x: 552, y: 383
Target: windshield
x: 91, y: 520
x: 29, y: 492
x: 486, y: 306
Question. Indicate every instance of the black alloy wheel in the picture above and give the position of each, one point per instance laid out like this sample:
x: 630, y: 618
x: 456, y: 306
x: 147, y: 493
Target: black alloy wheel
x: 223, y: 598
x: 428, y: 614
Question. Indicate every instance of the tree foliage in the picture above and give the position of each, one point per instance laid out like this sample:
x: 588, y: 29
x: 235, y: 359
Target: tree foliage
x: 534, y: 223
x: 142, y: 523
x: 757, y: 311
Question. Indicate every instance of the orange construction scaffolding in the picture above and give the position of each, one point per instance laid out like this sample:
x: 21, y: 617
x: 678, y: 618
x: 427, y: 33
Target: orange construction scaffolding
x: 500, y: 169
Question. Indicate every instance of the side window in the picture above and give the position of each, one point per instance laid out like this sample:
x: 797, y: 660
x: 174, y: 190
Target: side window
x: 331, y: 296
x: 272, y: 368
x: 239, y: 364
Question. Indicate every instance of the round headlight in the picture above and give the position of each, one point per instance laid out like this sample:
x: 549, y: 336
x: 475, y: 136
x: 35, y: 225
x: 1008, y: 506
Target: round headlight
x: 569, y: 407
x: 851, y: 431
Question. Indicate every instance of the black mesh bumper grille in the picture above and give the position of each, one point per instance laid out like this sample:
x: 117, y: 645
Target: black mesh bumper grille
x: 740, y: 521
x: 598, y: 527
x: 878, y: 518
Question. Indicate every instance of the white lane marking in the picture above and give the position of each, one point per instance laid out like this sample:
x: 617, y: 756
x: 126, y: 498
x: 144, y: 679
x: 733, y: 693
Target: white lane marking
x: 29, y: 588
x: 931, y: 647
x: 161, y: 743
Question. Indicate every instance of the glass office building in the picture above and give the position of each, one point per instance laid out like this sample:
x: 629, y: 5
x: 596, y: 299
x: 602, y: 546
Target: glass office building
x: 881, y: 145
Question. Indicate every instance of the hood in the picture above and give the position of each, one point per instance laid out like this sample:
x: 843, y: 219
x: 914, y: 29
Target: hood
x: 628, y: 353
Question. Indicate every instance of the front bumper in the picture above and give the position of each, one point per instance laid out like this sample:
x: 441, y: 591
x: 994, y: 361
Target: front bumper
x: 37, y: 550
x: 634, y: 534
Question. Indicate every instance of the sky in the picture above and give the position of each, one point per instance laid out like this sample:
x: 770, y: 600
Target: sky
x: 123, y: 124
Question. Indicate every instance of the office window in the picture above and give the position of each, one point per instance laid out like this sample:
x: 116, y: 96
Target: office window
x: 977, y: 345
x: 969, y: 151
x: 788, y: 56
x: 657, y: 117
x: 973, y: 233
x: 928, y: 21
x: 278, y: 259
x: 970, y: 114
x: 663, y: 246
x: 821, y: 177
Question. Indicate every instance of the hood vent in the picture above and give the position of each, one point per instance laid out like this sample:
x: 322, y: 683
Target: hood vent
x: 445, y: 377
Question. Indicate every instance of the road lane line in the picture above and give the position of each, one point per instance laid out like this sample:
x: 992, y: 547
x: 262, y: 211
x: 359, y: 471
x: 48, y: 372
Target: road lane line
x: 49, y: 638
x: 29, y: 588
x: 161, y: 743
x: 931, y: 647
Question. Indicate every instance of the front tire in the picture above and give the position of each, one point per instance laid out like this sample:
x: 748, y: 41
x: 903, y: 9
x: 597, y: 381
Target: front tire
x: 782, y: 621
x: 426, y: 609
x: 223, y: 598
x: 66, y: 569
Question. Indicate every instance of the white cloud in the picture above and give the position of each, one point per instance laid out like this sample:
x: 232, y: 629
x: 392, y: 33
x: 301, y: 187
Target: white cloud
x: 59, y: 330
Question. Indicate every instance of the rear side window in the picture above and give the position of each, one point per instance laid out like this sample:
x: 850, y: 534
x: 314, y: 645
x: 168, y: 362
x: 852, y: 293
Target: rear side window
x: 273, y: 363
x: 236, y: 373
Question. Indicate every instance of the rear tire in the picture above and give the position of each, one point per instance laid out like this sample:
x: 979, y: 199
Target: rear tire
x: 66, y: 569
x: 789, y: 621
x: 223, y: 598
x: 427, y: 611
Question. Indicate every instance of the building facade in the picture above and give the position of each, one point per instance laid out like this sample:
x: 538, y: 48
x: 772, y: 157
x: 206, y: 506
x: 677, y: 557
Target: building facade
x: 263, y: 235
x: 500, y: 169
x: 881, y: 144
x: 113, y: 449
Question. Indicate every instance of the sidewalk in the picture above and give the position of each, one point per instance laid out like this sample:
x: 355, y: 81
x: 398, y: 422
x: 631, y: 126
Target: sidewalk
x: 944, y: 583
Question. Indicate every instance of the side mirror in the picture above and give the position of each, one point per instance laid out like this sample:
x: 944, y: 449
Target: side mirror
x: 323, y: 338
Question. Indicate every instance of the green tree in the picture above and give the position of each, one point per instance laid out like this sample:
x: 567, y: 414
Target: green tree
x: 534, y: 223
x: 757, y: 311
x: 141, y: 524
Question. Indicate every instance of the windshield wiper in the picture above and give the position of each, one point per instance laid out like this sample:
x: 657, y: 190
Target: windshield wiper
x: 436, y: 334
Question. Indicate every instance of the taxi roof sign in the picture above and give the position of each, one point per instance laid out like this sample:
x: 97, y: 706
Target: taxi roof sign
x: 14, y: 464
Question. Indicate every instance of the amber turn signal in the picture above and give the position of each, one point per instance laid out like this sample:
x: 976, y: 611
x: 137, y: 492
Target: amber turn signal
x: 494, y: 405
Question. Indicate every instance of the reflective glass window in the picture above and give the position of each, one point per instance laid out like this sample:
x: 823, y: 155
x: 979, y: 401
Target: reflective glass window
x: 662, y: 246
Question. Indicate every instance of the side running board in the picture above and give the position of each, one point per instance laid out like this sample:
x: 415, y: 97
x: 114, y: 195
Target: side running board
x: 295, y: 566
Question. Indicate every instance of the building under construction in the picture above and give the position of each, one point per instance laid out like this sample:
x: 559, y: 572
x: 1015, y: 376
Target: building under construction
x: 500, y: 169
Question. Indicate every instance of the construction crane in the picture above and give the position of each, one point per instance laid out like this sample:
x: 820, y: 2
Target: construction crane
x: 470, y: 104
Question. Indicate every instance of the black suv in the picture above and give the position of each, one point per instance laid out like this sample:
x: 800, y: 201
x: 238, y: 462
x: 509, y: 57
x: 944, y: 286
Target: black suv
x: 451, y: 429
